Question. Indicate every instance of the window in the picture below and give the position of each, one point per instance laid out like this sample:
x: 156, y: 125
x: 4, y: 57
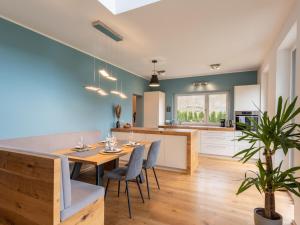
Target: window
x: 207, y: 108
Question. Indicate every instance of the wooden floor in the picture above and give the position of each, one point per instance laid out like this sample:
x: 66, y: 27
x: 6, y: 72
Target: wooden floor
x: 205, y: 198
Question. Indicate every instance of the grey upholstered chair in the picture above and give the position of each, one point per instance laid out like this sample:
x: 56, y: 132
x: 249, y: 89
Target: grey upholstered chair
x: 130, y: 172
x: 150, y: 162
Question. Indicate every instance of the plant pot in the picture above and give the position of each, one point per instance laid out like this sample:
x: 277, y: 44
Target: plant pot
x: 259, y: 219
x: 118, y: 124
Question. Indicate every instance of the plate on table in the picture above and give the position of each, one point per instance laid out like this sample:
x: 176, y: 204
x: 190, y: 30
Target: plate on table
x: 117, y: 150
x: 133, y: 144
x: 82, y: 149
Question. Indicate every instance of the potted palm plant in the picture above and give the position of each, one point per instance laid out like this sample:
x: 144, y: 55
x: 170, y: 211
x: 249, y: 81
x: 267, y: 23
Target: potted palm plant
x: 278, y: 133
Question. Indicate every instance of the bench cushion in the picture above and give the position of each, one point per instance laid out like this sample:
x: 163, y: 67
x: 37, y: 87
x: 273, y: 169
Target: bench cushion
x: 83, y: 194
x: 65, y: 193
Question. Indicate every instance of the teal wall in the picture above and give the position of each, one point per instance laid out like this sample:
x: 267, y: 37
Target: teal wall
x: 41, y: 87
x: 221, y: 82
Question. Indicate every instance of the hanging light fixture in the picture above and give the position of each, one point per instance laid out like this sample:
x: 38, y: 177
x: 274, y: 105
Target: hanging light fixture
x: 115, y: 91
x: 92, y: 87
x: 105, y: 74
x: 100, y: 90
x: 154, y: 82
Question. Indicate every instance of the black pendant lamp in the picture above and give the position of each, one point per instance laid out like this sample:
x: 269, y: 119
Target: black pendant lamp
x: 154, y: 82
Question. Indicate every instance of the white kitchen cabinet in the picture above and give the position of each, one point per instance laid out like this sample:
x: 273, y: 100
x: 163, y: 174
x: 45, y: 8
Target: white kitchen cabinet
x: 242, y: 145
x: 154, y: 109
x: 219, y: 143
x: 246, y: 97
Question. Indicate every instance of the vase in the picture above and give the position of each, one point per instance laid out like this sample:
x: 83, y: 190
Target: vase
x: 118, y: 124
x: 259, y: 219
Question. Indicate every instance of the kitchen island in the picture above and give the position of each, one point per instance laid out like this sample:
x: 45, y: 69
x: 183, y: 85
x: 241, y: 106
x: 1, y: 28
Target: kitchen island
x: 179, y: 147
x: 217, y: 141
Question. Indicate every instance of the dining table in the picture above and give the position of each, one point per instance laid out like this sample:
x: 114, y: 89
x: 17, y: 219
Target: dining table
x: 96, y: 155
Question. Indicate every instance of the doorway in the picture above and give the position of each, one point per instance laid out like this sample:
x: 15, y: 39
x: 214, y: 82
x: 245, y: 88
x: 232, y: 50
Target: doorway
x: 137, y: 111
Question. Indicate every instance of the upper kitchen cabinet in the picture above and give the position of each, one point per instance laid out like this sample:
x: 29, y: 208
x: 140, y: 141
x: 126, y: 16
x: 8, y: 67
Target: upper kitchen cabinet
x: 246, y: 97
x: 154, y: 108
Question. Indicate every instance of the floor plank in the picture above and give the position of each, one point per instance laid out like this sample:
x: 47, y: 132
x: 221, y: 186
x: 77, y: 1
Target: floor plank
x: 205, y: 198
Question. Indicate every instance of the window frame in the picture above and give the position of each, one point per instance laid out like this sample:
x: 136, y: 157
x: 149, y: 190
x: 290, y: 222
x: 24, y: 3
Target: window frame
x: 293, y: 72
x: 206, y: 110
x: 293, y: 94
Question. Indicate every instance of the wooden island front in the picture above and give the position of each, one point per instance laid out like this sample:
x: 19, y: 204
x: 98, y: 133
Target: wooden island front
x: 179, y: 147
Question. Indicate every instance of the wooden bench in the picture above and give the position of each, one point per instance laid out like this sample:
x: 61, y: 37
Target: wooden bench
x: 30, y: 191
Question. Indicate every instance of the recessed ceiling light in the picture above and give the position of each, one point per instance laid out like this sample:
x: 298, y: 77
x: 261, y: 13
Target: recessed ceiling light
x: 120, y: 6
x: 215, y: 66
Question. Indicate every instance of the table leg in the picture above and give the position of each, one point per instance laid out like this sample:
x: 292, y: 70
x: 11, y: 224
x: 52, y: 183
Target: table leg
x: 99, y: 175
x: 116, y: 163
x: 76, y: 170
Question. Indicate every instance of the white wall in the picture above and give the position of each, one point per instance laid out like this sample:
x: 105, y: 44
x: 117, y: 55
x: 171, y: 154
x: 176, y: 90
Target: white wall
x: 274, y: 77
x: 297, y: 154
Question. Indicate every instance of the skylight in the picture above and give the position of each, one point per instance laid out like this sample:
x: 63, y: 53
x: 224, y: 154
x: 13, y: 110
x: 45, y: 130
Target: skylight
x: 120, y: 6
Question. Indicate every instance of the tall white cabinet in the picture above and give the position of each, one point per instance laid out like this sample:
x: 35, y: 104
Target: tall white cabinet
x: 154, y: 108
x: 246, y: 97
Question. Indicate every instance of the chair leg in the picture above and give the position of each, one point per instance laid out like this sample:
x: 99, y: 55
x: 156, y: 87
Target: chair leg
x: 119, y: 184
x: 138, y: 184
x: 128, y: 199
x: 147, y: 181
x: 106, y: 189
x: 156, y: 178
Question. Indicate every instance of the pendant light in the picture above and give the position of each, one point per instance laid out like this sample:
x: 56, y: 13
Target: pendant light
x: 154, y: 82
x: 115, y: 91
x: 105, y: 72
x: 100, y: 90
x: 92, y: 87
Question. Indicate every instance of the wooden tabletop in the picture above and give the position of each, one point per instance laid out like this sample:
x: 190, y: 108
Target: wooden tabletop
x: 99, y: 158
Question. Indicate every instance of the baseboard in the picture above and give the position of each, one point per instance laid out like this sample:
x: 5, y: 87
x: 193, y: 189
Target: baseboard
x: 227, y: 158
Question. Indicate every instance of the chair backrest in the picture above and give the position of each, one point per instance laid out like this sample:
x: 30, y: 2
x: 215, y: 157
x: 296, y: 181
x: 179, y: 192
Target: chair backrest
x: 153, y: 154
x: 135, y: 163
x: 29, y: 188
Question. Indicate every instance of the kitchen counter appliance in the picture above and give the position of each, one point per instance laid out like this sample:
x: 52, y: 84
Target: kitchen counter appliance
x: 245, y: 118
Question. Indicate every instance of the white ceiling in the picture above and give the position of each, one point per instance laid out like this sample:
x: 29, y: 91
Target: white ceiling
x: 186, y: 36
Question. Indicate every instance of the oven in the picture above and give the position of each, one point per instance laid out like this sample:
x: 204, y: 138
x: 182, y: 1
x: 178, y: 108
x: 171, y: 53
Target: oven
x: 245, y: 118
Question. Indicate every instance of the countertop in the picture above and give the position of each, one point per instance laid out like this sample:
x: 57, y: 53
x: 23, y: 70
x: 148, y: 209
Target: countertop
x: 164, y: 131
x: 198, y: 127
